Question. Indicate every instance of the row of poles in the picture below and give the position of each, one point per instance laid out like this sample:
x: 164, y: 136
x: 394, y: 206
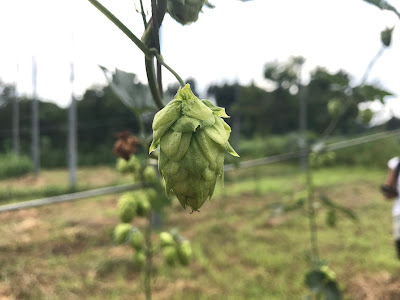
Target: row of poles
x: 35, y: 128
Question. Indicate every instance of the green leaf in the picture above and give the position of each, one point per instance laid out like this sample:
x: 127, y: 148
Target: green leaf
x: 386, y: 36
x: 384, y: 5
x: 133, y: 94
x: 370, y: 93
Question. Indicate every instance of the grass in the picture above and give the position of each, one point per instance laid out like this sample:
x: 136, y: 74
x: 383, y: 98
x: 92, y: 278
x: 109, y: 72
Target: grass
x: 55, y: 182
x: 242, y: 250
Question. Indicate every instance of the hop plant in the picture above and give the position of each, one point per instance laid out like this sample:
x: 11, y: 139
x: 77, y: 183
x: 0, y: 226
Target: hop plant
x: 193, y: 139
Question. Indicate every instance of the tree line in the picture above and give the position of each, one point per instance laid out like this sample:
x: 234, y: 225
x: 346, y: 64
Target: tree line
x: 262, y: 112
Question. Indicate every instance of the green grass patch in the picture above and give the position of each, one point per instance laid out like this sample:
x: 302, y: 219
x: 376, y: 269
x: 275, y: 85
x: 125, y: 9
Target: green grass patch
x: 242, y: 248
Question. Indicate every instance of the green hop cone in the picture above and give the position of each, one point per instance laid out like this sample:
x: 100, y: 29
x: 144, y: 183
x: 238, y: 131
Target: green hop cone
x: 184, y: 251
x: 137, y: 240
x: 127, y: 207
x: 122, y: 165
x: 166, y: 239
x: 139, y: 258
x: 170, y: 255
x: 151, y: 194
x: 193, y: 140
x: 366, y: 115
x: 121, y: 232
x: 334, y: 107
x: 143, y: 205
x: 133, y: 164
x: 150, y: 174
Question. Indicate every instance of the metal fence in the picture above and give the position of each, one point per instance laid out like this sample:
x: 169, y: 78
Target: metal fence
x: 227, y: 168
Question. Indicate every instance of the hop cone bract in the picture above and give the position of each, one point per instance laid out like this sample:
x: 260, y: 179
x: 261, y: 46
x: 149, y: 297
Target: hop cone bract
x: 193, y: 139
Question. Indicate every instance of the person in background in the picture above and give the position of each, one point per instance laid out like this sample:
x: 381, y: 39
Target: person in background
x: 391, y: 191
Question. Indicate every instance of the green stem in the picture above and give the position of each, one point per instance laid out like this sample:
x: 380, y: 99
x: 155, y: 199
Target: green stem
x: 311, y: 213
x: 143, y: 15
x: 151, y: 78
x: 149, y: 259
x: 156, y: 41
x: 161, y: 60
x: 371, y: 64
x: 123, y: 28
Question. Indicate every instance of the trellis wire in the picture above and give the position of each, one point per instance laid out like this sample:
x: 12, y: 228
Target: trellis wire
x: 227, y: 168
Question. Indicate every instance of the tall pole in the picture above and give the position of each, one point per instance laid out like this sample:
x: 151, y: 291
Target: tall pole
x: 15, y: 116
x: 236, y: 118
x: 35, y: 120
x: 72, y: 140
x: 303, y: 126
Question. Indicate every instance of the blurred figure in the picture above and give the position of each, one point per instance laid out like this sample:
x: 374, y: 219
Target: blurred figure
x: 391, y: 191
x: 126, y: 145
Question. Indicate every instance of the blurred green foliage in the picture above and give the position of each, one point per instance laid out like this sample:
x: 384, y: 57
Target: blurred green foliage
x: 14, y: 166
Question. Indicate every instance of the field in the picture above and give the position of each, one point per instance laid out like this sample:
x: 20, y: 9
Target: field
x: 242, y: 248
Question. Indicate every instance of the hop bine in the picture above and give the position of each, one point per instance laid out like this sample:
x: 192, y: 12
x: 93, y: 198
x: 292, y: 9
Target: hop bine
x: 193, y: 139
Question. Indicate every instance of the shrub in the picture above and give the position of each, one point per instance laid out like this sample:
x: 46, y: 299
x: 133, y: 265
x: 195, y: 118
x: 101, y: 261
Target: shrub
x: 14, y: 166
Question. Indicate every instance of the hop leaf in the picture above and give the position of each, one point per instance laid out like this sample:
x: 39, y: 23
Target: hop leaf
x: 121, y: 232
x: 193, y: 140
x: 186, y: 11
x: 386, y: 36
x: 127, y: 207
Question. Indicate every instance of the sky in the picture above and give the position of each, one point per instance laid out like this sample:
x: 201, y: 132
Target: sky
x: 229, y: 43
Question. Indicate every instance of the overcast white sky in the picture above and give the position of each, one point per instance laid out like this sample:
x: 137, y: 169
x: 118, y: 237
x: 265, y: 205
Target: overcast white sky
x: 228, y: 43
